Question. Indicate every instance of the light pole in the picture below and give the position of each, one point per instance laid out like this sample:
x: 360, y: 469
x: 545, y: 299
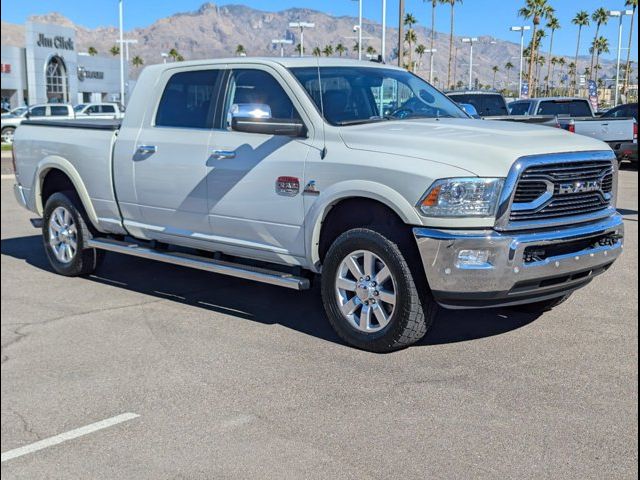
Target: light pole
x: 470, y: 41
x: 359, y: 28
x: 282, y: 42
x: 520, y: 29
x: 620, y: 14
x: 120, y: 15
x: 430, y: 51
x: 164, y: 56
x: 301, y: 26
x: 127, y: 42
x: 384, y: 31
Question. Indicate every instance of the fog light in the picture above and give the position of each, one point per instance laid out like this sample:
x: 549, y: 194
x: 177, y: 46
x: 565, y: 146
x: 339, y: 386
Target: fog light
x: 473, y: 258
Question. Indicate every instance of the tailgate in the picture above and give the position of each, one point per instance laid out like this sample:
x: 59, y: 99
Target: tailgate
x: 608, y: 130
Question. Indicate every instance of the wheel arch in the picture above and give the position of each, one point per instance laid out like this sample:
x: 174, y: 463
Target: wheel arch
x: 351, y: 194
x: 54, y: 174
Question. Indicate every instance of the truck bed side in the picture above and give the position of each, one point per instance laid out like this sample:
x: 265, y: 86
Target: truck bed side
x: 81, y: 151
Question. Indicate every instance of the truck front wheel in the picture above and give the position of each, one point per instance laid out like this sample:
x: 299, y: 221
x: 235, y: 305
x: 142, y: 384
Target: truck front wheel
x: 370, y: 294
x: 64, y: 234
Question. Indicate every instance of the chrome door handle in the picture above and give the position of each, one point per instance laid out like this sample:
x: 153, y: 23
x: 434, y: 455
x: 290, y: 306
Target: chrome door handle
x: 223, y: 154
x: 147, y: 149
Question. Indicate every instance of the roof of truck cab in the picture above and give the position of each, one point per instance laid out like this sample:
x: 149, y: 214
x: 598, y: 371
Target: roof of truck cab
x: 287, y: 62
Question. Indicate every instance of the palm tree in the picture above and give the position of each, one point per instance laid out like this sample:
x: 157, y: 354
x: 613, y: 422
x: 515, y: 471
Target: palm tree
x: 420, y: 51
x: 535, y: 10
x: 581, y: 20
x: 115, y: 50
x: 436, y: 80
x: 599, y: 46
x: 562, y: 62
x: 340, y: 48
x: 434, y: 3
x: 535, y: 44
x: 410, y: 37
x: 298, y: 48
x: 316, y: 52
x: 508, y: 67
x: 240, y: 50
x: 551, y: 70
x: 452, y: 3
x: 179, y: 58
x: 327, y: 51
x: 540, y: 61
x: 92, y: 51
x: 137, y: 61
x: 371, y: 51
x: 495, y: 69
x: 599, y: 17
x: 173, y: 53
x: 356, y: 46
x: 634, y: 6
x: 553, y: 24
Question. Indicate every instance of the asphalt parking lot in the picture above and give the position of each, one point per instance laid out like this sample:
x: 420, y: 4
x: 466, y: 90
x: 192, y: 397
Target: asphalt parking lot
x: 233, y: 379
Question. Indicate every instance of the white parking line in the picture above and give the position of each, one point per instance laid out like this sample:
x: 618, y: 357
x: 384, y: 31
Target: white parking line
x: 71, y: 434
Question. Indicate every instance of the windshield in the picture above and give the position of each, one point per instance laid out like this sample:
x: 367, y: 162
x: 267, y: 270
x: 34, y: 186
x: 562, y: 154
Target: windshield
x: 352, y: 95
x: 78, y: 108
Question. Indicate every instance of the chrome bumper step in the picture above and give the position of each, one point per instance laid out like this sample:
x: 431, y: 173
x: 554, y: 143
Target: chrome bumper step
x: 257, y: 274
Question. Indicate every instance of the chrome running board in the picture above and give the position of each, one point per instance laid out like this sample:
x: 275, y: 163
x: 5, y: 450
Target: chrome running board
x: 257, y: 274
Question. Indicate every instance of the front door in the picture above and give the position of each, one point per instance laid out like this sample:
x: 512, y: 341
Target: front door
x: 170, y: 156
x: 255, y: 181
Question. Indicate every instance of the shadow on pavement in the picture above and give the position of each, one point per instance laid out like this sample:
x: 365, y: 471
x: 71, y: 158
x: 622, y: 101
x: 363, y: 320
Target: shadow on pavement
x: 299, y: 311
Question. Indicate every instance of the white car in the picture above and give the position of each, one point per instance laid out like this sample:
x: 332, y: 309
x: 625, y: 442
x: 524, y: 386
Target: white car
x: 98, y: 110
x: 362, y: 173
x: 10, y: 121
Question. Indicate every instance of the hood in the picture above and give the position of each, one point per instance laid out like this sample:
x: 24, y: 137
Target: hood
x: 485, y: 148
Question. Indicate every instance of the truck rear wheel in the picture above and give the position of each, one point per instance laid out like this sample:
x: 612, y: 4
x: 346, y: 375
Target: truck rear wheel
x: 370, y: 294
x: 64, y: 234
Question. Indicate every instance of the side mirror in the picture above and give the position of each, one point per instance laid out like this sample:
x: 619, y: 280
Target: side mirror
x: 269, y: 126
x: 469, y: 110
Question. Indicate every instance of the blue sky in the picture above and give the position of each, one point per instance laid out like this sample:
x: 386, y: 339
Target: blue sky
x: 473, y: 17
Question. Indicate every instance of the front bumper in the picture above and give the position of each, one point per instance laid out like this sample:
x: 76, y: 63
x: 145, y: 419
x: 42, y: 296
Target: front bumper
x: 563, y: 260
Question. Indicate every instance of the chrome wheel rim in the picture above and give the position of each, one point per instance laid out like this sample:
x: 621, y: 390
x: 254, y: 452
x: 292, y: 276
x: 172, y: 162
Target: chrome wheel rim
x: 7, y: 136
x: 63, y: 235
x: 365, y: 291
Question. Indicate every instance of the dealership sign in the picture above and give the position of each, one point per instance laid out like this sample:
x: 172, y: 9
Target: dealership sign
x: 55, y: 42
x: 84, y: 74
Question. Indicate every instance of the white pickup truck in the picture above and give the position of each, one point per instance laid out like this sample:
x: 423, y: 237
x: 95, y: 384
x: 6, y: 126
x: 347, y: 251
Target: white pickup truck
x: 284, y: 169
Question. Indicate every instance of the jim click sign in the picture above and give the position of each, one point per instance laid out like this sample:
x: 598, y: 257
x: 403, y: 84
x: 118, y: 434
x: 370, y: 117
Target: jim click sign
x: 55, y: 42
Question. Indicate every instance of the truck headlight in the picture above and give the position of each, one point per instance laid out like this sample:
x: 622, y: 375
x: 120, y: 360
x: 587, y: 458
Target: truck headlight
x: 462, y: 197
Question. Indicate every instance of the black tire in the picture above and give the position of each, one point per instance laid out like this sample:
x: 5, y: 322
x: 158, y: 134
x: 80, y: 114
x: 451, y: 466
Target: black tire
x: 85, y: 260
x: 7, y: 131
x: 541, y: 307
x: 414, y: 310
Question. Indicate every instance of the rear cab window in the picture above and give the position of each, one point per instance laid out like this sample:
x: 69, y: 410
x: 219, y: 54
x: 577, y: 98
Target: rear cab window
x: 571, y: 108
x: 59, y: 110
x: 189, y: 99
x: 487, y: 105
x: 520, y: 108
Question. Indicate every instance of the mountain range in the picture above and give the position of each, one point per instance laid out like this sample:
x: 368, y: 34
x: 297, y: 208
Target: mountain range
x: 216, y: 31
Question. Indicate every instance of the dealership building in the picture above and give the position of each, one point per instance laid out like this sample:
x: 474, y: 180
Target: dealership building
x: 49, y: 68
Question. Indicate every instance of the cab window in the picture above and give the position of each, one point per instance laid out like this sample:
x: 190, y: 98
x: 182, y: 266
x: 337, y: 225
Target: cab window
x: 59, y: 111
x: 38, y: 111
x: 521, y: 108
x: 188, y: 100
x: 251, y: 87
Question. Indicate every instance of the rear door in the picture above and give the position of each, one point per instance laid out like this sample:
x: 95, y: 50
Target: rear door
x: 247, y: 206
x: 170, y: 155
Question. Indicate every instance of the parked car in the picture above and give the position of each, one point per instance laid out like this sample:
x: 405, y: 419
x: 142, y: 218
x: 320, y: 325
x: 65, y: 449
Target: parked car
x: 98, y: 110
x: 286, y: 169
x: 626, y: 150
x: 9, y: 123
x: 487, y: 104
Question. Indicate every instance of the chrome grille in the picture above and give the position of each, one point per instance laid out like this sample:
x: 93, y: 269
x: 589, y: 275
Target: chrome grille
x: 536, y: 181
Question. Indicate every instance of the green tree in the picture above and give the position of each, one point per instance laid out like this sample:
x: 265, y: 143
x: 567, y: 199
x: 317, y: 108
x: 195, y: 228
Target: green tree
x: 495, y: 69
x: 599, y: 46
x: 534, y: 10
x: 115, y: 50
x: 580, y: 20
x: 452, y: 3
x: 599, y: 17
x: 420, y: 51
x: 410, y: 36
x: 316, y: 52
x: 92, y: 51
x: 173, y: 53
x: 327, y: 51
x: 371, y: 51
x: 553, y: 24
x: 240, y: 50
x: 634, y: 6
x: 508, y: 67
x: 432, y: 33
x: 137, y: 61
x: 340, y: 48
